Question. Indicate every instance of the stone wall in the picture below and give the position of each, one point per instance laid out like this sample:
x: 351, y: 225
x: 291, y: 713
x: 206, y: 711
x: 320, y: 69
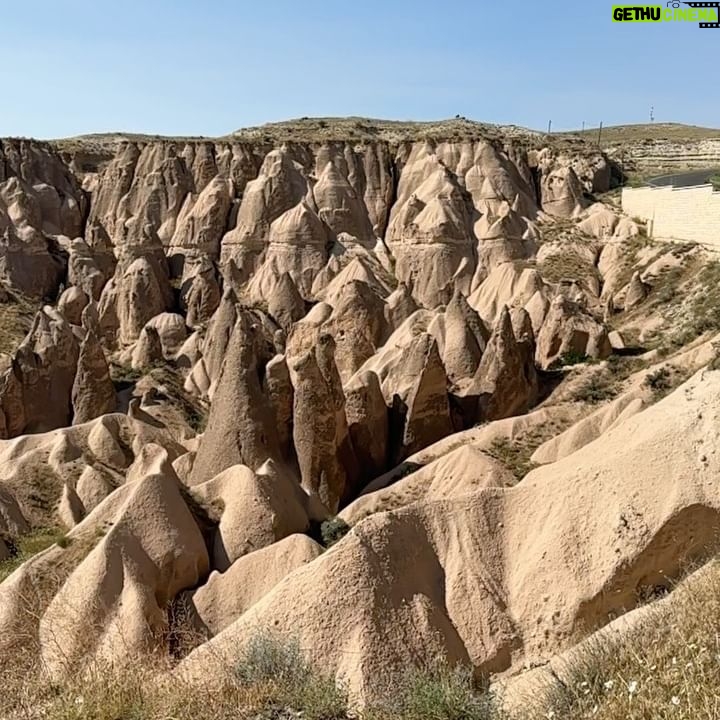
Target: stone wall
x: 691, y: 213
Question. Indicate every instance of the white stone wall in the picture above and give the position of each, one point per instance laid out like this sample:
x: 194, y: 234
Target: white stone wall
x: 677, y: 213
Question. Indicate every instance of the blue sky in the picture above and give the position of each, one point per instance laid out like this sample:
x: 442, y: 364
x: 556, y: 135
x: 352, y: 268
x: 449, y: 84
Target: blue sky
x: 206, y: 68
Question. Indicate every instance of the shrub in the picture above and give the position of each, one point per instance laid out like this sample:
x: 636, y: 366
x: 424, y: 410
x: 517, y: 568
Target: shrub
x: 658, y: 380
x: 278, y: 663
x: 665, y: 379
x: 572, y: 357
x: 27, y: 546
x: 598, y: 388
x: 333, y: 530
x: 438, y: 693
x: 515, y: 454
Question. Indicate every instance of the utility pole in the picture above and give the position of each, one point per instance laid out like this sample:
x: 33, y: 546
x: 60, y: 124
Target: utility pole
x: 583, y: 126
x: 549, y: 126
x: 600, y: 133
x: 652, y: 113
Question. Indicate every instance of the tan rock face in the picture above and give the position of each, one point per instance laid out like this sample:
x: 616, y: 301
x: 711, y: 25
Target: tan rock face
x: 561, y: 192
x: 505, y: 380
x: 154, y: 549
x: 317, y: 426
x: 93, y: 393
x: 427, y: 414
x: 241, y: 427
x: 226, y: 596
x: 140, y: 297
x: 368, y: 423
x: 200, y: 292
x: 40, y: 199
x: 257, y: 510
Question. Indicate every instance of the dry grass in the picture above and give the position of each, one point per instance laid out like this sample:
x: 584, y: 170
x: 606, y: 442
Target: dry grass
x: 515, y: 453
x: 16, y: 316
x: 665, y: 666
x: 671, y: 132
x: 369, y: 129
x: 30, y: 545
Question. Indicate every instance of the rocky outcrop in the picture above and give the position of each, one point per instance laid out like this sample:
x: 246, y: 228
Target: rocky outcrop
x: 285, y: 303
x: 368, y: 423
x: 200, y: 292
x: 561, y: 192
x: 140, y: 297
x: 318, y: 410
x: 226, y: 596
x: 93, y: 392
x: 121, y: 588
x: 241, y: 427
x: 257, y: 509
x: 466, y: 540
x: 426, y: 411
x: 277, y: 386
x: 570, y: 330
x: 505, y: 382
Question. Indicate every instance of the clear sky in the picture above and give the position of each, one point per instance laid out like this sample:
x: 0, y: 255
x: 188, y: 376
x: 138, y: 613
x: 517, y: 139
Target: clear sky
x: 206, y: 68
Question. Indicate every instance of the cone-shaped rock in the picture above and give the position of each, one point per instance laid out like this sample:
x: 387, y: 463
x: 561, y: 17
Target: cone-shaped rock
x: 502, y: 382
x: 427, y: 418
x: 637, y: 292
x: 285, y: 303
x: 241, y: 427
x: 278, y: 388
x: 315, y: 432
x: 367, y: 417
x: 148, y: 349
x: 93, y: 393
x: 400, y: 306
x: 465, y: 339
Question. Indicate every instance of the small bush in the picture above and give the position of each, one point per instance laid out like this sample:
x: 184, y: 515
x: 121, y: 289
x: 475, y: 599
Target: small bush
x: 440, y: 693
x: 333, y: 530
x: 659, y: 380
x: 572, y: 357
x: 278, y: 663
x: 665, y: 379
x: 598, y: 388
x: 27, y: 546
x: 515, y: 454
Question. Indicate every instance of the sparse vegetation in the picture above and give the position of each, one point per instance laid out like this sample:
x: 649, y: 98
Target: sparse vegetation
x: 665, y: 667
x: 515, y: 454
x: 279, y: 665
x: 333, y: 530
x: 438, y: 693
x: 124, y: 374
x: 572, y: 357
x: 599, y: 387
x: 29, y: 545
x: 715, y: 182
x: 16, y: 315
x: 169, y: 384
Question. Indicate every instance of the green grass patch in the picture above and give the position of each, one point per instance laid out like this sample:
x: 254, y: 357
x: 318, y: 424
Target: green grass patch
x: 30, y: 545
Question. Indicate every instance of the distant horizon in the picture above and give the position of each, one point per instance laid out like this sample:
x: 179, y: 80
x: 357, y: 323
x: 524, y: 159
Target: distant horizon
x: 239, y: 129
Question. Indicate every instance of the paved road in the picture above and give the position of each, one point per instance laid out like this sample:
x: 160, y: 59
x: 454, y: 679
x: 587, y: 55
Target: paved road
x: 685, y: 179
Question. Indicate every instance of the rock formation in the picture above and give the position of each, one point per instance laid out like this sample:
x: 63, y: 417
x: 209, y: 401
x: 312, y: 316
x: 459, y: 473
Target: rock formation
x: 218, y: 352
